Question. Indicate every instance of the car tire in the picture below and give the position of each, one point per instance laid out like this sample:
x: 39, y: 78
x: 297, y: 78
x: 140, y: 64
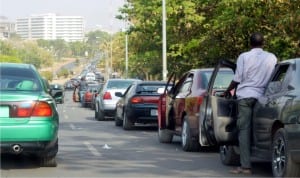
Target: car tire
x: 164, y: 136
x: 229, y: 155
x: 48, y: 161
x: 127, y: 123
x: 282, y: 163
x: 118, y: 122
x: 96, y: 114
x: 188, y: 143
x: 100, y: 115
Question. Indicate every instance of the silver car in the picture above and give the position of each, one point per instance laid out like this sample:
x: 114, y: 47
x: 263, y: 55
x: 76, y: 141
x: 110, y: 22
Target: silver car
x: 106, y: 100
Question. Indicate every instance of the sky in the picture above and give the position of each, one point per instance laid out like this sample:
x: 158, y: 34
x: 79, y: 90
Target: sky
x: 97, y: 13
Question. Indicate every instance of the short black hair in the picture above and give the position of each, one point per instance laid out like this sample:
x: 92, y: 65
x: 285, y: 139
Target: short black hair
x: 256, y: 39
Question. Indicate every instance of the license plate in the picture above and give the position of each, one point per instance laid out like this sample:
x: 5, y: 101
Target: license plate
x: 4, y: 111
x: 153, y: 112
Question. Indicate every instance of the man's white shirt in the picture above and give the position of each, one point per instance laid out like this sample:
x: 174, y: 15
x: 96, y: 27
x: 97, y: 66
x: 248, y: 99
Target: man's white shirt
x: 254, y: 69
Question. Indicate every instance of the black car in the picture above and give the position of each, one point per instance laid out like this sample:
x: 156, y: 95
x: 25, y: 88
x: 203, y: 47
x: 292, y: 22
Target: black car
x: 69, y: 85
x: 57, y: 92
x: 275, y: 124
x: 138, y: 104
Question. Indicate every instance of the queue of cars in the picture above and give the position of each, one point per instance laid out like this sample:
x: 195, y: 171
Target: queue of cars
x: 191, y: 107
x: 194, y: 108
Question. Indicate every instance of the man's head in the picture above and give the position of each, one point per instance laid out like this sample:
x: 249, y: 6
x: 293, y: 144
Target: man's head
x: 256, y: 40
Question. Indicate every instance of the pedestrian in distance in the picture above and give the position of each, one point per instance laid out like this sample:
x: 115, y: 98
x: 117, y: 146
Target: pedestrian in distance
x: 253, y: 70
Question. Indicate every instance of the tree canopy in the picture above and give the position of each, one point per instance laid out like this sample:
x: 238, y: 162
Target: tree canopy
x: 200, y: 32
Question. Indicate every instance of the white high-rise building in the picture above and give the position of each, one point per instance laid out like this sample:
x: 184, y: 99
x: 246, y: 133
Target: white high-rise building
x: 51, y: 27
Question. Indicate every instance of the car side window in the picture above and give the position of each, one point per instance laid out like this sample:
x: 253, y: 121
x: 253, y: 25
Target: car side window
x: 187, y: 84
x: 279, y: 80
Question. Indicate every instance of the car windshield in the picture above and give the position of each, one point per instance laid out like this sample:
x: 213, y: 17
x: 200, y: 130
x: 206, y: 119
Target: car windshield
x: 18, y: 79
x: 223, y: 79
x: 119, y: 84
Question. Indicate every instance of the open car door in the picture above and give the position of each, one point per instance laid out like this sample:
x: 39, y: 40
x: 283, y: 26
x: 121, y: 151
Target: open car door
x: 162, y: 102
x: 217, y: 118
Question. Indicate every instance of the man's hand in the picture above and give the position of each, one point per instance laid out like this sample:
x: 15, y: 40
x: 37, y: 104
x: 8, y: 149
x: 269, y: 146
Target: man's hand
x: 227, y: 94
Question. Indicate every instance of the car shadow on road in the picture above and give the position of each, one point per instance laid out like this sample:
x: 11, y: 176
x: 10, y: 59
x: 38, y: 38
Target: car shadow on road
x: 22, y: 161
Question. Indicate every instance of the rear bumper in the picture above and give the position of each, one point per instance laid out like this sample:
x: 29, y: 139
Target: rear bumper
x: 35, y: 129
x: 39, y: 148
x: 142, y: 114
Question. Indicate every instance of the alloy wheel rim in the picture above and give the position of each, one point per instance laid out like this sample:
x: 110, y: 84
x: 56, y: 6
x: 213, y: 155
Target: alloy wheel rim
x: 279, y: 157
x: 223, y: 151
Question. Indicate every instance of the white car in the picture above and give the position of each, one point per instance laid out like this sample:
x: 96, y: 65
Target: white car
x: 90, y: 77
x: 106, y: 99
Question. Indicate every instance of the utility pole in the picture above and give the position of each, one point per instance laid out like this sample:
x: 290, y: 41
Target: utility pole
x: 164, y: 43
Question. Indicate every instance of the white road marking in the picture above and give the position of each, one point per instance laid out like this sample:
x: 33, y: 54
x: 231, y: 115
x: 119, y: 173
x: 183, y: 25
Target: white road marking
x: 92, y: 149
x: 66, y: 116
x: 72, y: 126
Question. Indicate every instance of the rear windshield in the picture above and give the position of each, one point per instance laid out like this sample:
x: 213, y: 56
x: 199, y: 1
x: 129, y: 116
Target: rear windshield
x: 18, y: 79
x: 119, y: 84
x: 149, y: 88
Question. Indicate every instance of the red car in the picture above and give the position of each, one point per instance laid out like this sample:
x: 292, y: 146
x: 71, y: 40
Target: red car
x: 178, y: 107
x: 88, y: 95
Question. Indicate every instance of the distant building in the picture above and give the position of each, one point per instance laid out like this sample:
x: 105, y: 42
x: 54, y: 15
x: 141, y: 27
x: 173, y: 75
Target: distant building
x: 6, y: 27
x: 51, y: 27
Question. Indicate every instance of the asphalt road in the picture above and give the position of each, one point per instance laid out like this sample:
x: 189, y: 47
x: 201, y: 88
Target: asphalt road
x: 90, y: 148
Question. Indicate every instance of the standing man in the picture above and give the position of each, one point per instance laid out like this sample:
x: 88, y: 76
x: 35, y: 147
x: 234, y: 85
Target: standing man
x: 253, y: 70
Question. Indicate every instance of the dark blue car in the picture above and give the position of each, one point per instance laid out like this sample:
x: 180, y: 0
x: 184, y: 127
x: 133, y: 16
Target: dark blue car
x: 138, y: 104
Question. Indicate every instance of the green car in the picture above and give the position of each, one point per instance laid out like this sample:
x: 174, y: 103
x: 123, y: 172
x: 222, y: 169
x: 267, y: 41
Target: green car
x: 29, y: 119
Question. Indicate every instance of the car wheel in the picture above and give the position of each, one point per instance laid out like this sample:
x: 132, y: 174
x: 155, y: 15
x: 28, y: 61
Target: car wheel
x: 100, y: 115
x: 127, y: 123
x: 96, y: 112
x: 118, y: 122
x: 282, y: 163
x: 229, y: 155
x: 164, y: 136
x: 48, y: 161
x: 188, y: 143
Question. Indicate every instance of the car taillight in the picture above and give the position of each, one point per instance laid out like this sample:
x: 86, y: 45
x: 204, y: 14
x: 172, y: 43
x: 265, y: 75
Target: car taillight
x: 199, y: 100
x: 42, y: 109
x: 28, y: 109
x: 107, y: 96
x: 136, y: 100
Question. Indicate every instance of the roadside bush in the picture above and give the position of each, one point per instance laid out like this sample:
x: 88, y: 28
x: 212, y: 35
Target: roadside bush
x: 47, y: 75
x: 63, y: 73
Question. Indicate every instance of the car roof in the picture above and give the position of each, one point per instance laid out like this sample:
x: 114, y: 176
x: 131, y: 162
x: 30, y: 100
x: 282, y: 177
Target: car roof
x: 122, y: 79
x: 17, y: 65
x: 152, y: 82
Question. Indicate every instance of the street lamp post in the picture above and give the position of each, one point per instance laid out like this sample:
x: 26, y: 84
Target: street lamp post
x: 126, y: 55
x: 164, y: 42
